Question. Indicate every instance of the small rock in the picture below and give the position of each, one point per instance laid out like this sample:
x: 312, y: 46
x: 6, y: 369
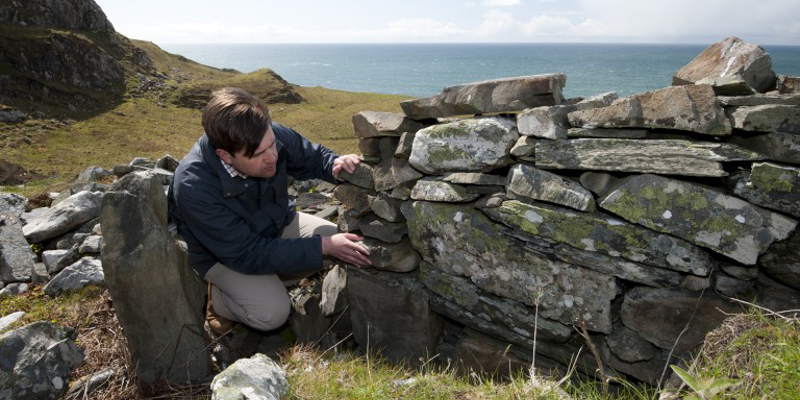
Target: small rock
x: 87, y: 271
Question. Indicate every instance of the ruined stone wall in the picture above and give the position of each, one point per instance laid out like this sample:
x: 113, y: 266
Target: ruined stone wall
x: 634, y: 218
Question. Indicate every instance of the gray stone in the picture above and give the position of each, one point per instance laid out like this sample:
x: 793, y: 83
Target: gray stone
x: 480, y: 354
x: 483, y: 190
x: 146, y: 267
x: 142, y: 163
x: 772, y: 186
x: 381, y: 148
x: 67, y: 215
x: 435, y: 190
x: 461, y: 241
x: 368, y: 124
x: 609, y: 133
x: 87, y: 186
x: 597, y: 182
x: 722, y: 223
x: 10, y: 319
x: 93, y: 174
x: 782, y: 261
x: 349, y: 220
x: 33, y: 214
x: 649, y: 371
x: 390, y: 314
x: 777, y: 297
x: 501, y: 95
x: 87, y: 385
x: 122, y: 170
x: 628, y: 346
x: 12, y: 203
x: 385, y: 231
x: 788, y: 84
x: 13, y: 289
x: 474, y: 178
x: 491, y: 201
x: 596, y: 232
x: 66, y: 259
x: 734, y: 287
x: 760, y: 99
x: 387, y: 208
x: 696, y: 283
x: 37, y: 361
x: 737, y: 271
x: 355, y: 197
x: 597, y: 101
x: 308, y: 322
x: 328, y: 212
x: 673, y: 157
x: 524, y: 146
x: 730, y: 58
x: 690, y: 108
x: 362, y: 176
x: 545, y: 122
x: 167, y: 163
x: 728, y: 85
x: 334, y: 285
x: 311, y: 200
x: 91, y: 244
x: 403, y: 191
x: 767, y: 118
x: 660, y: 316
x: 394, y: 257
x: 87, y: 271
x: 403, y: 149
x: 12, y: 115
x: 16, y: 256
x: 477, y: 145
x: 529, y: 184
x: 257, y: 377
x: 392, y: 173
x: 776, y: 146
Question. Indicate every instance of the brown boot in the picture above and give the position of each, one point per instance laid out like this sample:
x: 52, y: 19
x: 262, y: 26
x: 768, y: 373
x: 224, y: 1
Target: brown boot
x: 217, y: 323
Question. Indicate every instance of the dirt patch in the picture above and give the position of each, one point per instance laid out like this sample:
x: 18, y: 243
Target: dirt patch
x: 13, y: 174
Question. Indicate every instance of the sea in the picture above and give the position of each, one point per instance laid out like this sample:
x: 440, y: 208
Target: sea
x: 422, y: 70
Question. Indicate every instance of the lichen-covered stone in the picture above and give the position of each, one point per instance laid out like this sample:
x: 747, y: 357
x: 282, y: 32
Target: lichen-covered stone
x: 477, y: 145
x: 730, y: 58
x: 362, y: 176
x: 369, y: 124
x: 609, y: 133
x: 392, y: 173
x: 725, y: 224
x: 531, y: 184
x: 767, y: 118
x: 772, y: 186
x: 673, y: 157
x: 474, y: 178
x: 595, y: 232
x: 430, y: 189
x: 545, y: 122
x: 690, y: 108
x: 500, y: 95
x: 776, y: 146
x: 461, y: 241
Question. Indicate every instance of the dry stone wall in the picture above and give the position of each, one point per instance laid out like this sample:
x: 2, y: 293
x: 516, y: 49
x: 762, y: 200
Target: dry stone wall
x: 636, y: 217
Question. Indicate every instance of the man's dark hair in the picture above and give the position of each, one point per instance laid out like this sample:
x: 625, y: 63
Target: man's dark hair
x: 235, y: 120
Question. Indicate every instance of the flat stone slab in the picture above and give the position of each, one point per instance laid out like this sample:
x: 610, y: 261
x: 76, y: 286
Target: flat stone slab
x: 501, y: 95
x: 369, y: 124
x: 776, y: 146
x: 731, y: 59
x: 668, y: 156
x: 610, y: 133
x: 773, y: 186
x: 383, y: 230
x: 430, y: 189
x: 530, y: 184
x: 767, y: 118
x: 725, y: 224
x: 462, y: 241
x: 690, y: 108
x: 362, y: 176
x: 760, y: 99
x: 65, y: 216
x: 596, y: 232
x: 474, y: 178
x: 470, y: 145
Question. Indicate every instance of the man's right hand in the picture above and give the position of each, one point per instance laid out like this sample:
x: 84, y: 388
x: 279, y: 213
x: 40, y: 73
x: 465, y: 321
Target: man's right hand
x: 344, y: 247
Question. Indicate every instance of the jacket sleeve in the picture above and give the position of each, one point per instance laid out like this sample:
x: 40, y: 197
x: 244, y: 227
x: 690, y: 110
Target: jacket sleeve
x: 230, y: 239
x: 306, y: 160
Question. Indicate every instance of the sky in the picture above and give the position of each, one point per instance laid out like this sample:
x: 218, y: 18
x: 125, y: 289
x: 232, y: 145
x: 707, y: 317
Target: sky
x: 765, y: 22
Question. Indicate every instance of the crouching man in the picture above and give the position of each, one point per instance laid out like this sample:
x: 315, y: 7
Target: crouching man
x: 230, y: 203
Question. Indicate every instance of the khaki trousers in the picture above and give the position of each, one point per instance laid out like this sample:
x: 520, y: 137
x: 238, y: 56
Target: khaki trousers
x: 261, y: 301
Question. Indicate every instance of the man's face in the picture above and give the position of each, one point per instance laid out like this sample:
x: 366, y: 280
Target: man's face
x: 263, y: 162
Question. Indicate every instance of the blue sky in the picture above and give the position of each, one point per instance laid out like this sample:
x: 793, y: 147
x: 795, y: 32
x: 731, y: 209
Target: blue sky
x: 418, y: 21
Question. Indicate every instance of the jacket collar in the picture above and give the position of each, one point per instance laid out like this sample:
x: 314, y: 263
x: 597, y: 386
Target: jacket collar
x: 231, y: 186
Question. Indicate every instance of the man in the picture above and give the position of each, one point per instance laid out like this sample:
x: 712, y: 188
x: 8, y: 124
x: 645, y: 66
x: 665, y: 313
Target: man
x: 230, y: 203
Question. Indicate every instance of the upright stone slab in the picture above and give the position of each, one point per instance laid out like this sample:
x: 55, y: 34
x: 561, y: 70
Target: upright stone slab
x: 673, y: 157
x: 370, y: 124
x: 159, y: 299
x: 690, y: 108
x: 390, y: 314
x: 722, y: 223
x: 729, y: 60
x: 773, y: 186
x: 531, y: 184
x: 767, y: 118
x: 16, y: 256
x: 501, y: 95
x: 461, y: 241
x: 476, y: 145
x: 67, y: 215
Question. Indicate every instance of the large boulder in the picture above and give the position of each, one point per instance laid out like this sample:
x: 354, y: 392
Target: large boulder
x: 725, y: 224
x: 37, y: 361
x: 691, y: 108
x: 257, y: 377
x: 16, y: 256
x: 477, y: 145
x: 64, y: 217
x: 158, y: 298
x: 501, y: 95
x: 727, y: 62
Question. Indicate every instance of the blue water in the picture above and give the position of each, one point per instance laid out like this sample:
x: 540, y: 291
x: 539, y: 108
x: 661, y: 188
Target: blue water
x: 424, y: 69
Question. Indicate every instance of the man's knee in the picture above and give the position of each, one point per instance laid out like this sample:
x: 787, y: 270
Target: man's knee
x: 271, y: 316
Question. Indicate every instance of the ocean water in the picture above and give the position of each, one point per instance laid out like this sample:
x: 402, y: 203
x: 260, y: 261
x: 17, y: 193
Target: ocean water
x: 422, y: 70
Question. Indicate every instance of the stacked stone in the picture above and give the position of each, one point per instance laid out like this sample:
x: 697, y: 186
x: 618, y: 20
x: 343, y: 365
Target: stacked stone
x: 634, y: 217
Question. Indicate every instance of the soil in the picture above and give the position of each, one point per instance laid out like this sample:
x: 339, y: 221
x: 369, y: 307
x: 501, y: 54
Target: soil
x: 13, y: 174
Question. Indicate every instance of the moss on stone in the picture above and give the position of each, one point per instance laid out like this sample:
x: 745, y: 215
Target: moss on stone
x: 770, y: 178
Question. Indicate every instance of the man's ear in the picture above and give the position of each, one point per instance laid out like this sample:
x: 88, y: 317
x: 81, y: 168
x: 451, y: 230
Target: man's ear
x: 224, y: 155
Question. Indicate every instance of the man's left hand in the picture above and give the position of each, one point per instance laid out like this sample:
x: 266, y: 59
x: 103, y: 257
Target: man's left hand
x: 347, y: 162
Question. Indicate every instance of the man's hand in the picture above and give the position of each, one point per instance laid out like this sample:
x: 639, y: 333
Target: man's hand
x: 344, y: 247
x: 347, y: 162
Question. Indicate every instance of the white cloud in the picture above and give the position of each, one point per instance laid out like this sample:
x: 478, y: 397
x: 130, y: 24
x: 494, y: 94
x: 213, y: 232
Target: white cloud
x: 548, y: 25
x: 501, y: 3
x: 496, y: 21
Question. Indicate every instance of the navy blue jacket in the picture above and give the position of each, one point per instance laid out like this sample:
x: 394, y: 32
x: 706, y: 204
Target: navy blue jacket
x: 237, y: 221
